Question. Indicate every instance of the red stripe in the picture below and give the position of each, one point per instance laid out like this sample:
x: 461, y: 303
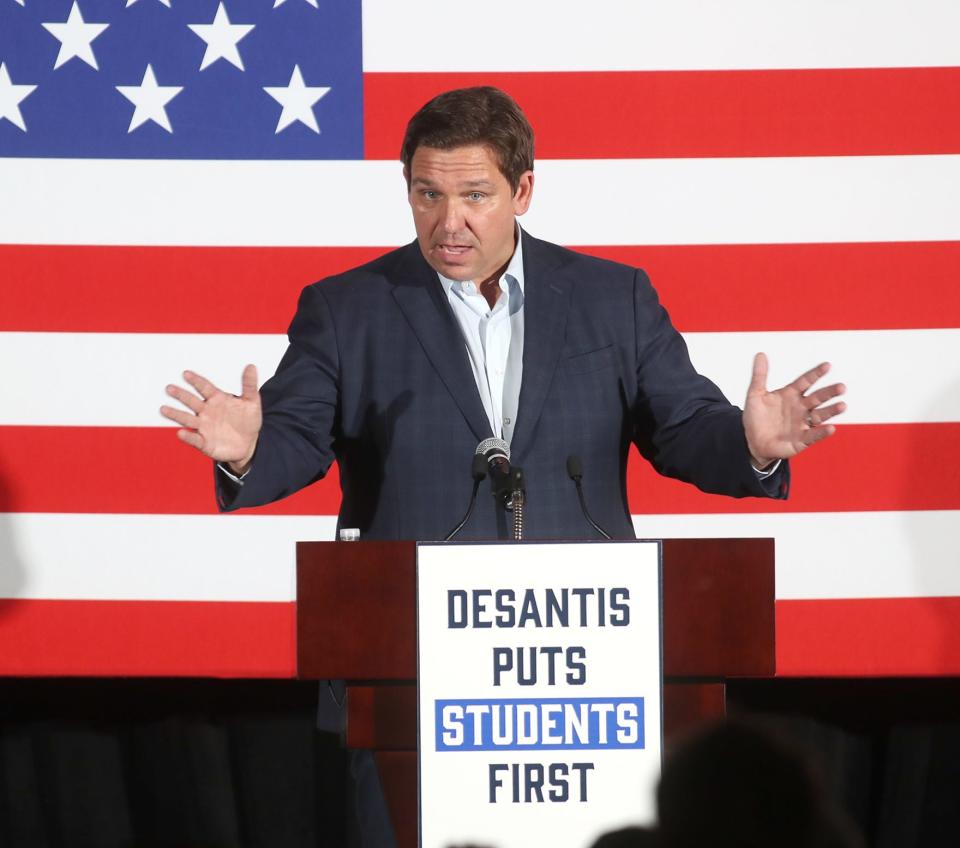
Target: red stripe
x: 654, y: 114
x: 254, y: 290
x: 859, y: 637
x: 147, y: 638
x: 863, y: 467
x: 161, y: 289
x: 107, y: 466
x: 877, y: 637
x: 771, y: 287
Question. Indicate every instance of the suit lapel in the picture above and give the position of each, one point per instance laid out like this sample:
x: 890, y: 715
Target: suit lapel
x: 545, y: 308
x: 421, y: 299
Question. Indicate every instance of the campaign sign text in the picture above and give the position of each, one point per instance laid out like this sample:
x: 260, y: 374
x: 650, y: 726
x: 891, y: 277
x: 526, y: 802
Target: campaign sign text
x: 539, y: 691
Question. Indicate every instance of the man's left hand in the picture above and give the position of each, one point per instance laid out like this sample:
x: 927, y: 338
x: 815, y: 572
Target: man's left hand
x: 781, y: 424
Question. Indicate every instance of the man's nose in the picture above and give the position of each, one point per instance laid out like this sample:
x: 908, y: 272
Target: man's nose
x: 452, y: 216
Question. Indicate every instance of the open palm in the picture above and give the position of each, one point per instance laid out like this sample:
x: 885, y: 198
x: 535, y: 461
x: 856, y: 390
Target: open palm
x: 220, y: 425
x: 780, y: 424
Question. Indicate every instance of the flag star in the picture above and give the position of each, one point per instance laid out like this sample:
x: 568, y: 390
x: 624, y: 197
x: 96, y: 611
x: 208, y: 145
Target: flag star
x: 10, y: 97
x: 297, y: 100
x: 75, y: 38
x: 221, y: 37
x: 19, y: 2
x: 150, y: 100
x: 281, y: 2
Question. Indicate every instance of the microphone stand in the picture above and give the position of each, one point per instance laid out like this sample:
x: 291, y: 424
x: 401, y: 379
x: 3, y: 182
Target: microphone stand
x: 479, y: 472
x: 575, y: 472
x: 518, y: 497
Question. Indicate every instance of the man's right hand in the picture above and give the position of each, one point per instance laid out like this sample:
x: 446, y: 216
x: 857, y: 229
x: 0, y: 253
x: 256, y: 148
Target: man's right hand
x: 222, y: 426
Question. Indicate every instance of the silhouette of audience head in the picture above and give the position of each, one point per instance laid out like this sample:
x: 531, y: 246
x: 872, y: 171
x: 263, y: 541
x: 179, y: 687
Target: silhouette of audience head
x: 739, y: 784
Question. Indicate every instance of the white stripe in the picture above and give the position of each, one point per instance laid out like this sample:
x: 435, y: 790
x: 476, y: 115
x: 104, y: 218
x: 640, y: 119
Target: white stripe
x: 251, y: 558
x: 536, y: 35
x: 154, y: 557
x: 840, y: 555
x: 888, y: 373
x: 628, y: 201
x: 759, y: 200
x: 117, y: 379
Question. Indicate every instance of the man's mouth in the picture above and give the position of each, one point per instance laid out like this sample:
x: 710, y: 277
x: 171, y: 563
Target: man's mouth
x: 453, y: 250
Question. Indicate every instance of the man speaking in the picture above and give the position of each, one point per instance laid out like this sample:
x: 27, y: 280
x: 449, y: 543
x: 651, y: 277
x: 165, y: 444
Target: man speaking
x: 399, y: 368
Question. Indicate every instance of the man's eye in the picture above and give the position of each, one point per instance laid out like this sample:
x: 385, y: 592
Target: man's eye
x: 476, y: 195
x: 427, y: 194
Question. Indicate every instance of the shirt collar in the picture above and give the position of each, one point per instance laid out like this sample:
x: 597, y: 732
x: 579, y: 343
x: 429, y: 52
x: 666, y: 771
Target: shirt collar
x: 513, y: 270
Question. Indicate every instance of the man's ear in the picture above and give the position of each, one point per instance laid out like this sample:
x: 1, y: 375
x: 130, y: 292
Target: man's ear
x: 524, y: 193
x: 406, y: 177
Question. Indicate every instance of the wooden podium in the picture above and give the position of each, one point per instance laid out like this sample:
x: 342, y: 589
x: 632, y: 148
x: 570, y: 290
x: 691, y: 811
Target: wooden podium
x: 356, y: 620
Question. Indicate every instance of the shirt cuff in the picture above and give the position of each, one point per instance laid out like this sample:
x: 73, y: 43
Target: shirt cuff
x: 239, y: 480
x: 761, y: 475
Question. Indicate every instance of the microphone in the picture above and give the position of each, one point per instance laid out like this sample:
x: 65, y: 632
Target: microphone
x: 575, y: 473
x: 478, y: 471
x: 496, y: 454
x: 507, y: 482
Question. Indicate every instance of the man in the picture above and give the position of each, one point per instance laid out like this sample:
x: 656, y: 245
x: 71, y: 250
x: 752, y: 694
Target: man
x: 398, y: 369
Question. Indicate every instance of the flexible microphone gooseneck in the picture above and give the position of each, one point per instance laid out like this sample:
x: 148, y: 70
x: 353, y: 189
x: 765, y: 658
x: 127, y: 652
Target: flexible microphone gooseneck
x: 478, y: 471
x: 575, y: 473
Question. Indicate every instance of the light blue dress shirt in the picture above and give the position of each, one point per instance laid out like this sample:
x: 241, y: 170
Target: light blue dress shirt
x: 494, y: 341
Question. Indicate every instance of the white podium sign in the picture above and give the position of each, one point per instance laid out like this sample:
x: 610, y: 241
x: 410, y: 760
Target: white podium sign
x: 539, y: 691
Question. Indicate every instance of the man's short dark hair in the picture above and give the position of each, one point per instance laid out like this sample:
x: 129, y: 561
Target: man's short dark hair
x: 481, y: 115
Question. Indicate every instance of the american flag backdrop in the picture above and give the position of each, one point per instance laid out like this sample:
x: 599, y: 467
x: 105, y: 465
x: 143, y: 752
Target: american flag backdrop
x: 172, y: 172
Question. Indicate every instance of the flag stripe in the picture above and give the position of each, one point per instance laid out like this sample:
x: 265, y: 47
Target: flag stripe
x: 823, y: 555
x: 699, y: 113
x: 135, y: 470
x: 868, y: 362
x: 888, y: 637
x: 251, y: 557
x: 164, y: 289
x: 74, y: 377
x: 862, y: 467
x: 885, y: 467
x: 588, y: 201
x: 862, y: 637
x: 117, y: 379
x: 650, y: 34
x: 706, y: 288
x: 155, y: 557
x: 147, y: 638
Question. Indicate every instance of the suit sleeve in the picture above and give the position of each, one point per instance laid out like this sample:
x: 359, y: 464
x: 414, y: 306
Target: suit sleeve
x: 300, y: 411
x: 683, y: 423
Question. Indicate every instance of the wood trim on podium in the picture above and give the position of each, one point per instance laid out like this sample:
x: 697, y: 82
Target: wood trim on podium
x: 383, y: 718
x: 398, y: 774
x: 718, y: 608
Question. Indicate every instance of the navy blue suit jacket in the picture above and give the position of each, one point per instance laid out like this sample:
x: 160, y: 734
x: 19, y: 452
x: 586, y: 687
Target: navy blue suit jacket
x: 377, y: 377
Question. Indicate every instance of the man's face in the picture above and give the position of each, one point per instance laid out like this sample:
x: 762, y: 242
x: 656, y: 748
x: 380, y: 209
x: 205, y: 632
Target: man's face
x: 464, y: 209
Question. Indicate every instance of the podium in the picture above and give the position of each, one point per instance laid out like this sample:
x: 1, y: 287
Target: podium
x: 356, y: 620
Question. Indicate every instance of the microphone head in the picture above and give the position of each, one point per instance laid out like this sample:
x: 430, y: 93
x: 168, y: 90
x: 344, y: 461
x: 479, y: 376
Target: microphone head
x: 574, y: 468
x: 493, y: 447
x: 479, y: 469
